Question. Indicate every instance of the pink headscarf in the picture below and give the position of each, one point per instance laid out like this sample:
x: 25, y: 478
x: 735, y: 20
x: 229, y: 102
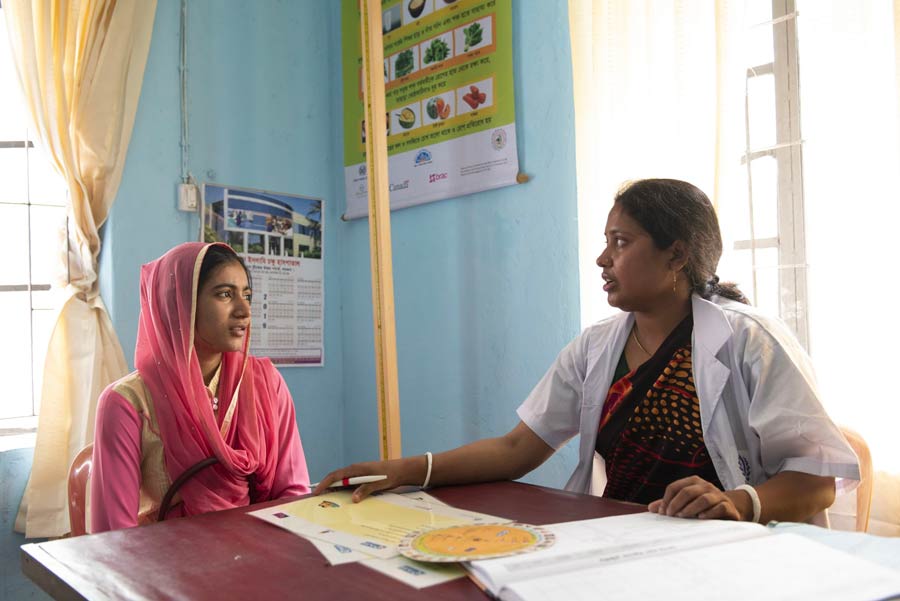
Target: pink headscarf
x: 167, y: 362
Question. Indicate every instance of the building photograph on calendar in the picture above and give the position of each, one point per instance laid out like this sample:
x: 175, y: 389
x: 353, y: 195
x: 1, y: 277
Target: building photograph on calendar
x: 280, y: 238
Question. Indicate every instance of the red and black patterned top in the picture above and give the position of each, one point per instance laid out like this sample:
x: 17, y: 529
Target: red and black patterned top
x: 650, y: 433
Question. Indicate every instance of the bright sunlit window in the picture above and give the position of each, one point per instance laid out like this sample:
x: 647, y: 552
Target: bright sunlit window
x: 765, y: 223
x: 785, y: 112
x: 813, y: 236
x: 33, y: 214
x: 851, y: 162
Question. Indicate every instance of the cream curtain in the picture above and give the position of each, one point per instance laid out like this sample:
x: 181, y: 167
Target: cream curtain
x: 654, y: 88
x: 81, y: 65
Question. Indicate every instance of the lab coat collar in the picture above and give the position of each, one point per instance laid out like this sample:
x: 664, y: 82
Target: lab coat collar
x: 711, y: 331
x: 711, y: 327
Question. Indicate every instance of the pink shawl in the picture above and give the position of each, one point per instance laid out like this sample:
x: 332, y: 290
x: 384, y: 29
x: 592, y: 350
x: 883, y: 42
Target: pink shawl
x: 165, y: 358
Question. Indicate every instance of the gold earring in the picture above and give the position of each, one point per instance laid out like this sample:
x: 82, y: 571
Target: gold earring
x: 674, y: 281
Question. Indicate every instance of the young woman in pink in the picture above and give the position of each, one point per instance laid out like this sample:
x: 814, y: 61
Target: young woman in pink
x: 196, y: 394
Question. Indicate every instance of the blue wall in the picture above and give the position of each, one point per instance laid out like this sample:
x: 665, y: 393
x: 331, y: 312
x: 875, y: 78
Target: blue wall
x: 486, y: 285
x: 261, y: 115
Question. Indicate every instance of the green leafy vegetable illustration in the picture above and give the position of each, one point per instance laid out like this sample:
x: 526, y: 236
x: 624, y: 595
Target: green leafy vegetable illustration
x: 404, y: 63
x: 473, y: 36
x: 438, y: 50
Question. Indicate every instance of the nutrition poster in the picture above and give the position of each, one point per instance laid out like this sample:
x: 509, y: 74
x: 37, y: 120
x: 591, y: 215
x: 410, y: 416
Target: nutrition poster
x: 279, y: 236
x: 450, y: 114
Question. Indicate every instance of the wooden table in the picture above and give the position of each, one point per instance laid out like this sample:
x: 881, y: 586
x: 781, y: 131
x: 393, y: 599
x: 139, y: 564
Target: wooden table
x: 231, y: 555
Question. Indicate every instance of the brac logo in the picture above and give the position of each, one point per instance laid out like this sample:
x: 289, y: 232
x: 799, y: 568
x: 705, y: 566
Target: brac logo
x: 436, y: 177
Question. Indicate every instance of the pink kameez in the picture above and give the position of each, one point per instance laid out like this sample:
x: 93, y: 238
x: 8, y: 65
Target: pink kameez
x: 254, y: 437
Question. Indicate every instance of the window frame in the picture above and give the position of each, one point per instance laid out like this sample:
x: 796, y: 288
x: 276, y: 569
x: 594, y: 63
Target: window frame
x: 18, y: 424
x: 788, y: 154
x: 29, y: 286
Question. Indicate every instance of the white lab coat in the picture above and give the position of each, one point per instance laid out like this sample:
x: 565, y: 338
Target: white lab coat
x: 759, y: 408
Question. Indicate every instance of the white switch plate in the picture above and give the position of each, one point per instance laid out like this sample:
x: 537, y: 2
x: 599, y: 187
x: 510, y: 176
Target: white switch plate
x: 188, y: 197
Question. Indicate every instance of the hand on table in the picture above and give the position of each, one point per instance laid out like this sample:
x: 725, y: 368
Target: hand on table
x: 399, y: 472
x: 694, y: 497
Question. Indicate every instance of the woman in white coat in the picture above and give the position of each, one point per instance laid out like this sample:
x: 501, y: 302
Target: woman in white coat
x: 689, y: 401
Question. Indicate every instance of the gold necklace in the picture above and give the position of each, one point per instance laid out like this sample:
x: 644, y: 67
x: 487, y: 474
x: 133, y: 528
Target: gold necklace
x: 641, y: 346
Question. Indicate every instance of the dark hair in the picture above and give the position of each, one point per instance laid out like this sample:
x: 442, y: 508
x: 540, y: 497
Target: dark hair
x: 216, y: 256
x: 670, y: 210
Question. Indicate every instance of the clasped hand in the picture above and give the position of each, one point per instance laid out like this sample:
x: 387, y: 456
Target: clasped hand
x: 694, y: 497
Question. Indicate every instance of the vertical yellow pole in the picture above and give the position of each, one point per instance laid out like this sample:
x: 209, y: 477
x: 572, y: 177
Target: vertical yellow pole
x: 380, y: 231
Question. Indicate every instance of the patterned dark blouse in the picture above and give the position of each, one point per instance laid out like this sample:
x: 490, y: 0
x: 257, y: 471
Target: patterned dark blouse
x: 650, y: 433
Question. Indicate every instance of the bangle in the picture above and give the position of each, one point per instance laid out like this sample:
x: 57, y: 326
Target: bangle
x: 428, y: 472
x: 754, y: 498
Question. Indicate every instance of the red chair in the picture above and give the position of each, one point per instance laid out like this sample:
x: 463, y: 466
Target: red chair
x: 79, y: 476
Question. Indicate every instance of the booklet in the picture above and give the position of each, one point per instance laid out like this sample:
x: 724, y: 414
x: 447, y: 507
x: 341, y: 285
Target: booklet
x: 650, y: 556
x: 374, y: 527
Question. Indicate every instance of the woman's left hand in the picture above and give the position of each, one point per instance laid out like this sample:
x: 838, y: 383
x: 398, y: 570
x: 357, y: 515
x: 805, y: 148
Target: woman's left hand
x: 694, y: 497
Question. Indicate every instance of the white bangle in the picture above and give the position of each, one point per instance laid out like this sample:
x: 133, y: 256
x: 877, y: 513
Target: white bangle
x: 754, y: 498
x: 428, y: 472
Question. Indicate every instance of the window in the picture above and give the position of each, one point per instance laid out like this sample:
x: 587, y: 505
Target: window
x: 812, y: 233
x: 768, y: 256
x: 715, y: 93
x: 33, y: 217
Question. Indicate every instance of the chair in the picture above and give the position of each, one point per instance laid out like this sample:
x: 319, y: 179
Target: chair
x: 866, y: 477
x: 79, y: 475
x: 184, y: 477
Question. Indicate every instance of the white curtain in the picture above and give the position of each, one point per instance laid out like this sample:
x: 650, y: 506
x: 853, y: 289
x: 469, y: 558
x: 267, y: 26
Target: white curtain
x: 849, y: 55
x: 80, y: 64
x: 654, y: 97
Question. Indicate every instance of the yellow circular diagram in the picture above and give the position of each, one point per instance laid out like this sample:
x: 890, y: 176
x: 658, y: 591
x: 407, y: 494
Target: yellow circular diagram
x: 472, y: 542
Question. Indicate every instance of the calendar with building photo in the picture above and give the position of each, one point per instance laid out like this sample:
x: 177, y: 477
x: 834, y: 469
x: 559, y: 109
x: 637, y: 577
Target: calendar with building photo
x: 279, y: 236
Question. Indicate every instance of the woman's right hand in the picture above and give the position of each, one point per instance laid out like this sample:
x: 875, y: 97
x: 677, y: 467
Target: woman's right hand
x: 399, y: 472
x: 502, y: 458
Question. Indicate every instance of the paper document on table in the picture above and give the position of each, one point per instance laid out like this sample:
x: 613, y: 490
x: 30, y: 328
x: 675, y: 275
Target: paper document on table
x: 777, y: 567
x: 337, y: 554
x: 414, y: 573
x: 420, y: 496
x: 588, y: 543
x: 373, y: 526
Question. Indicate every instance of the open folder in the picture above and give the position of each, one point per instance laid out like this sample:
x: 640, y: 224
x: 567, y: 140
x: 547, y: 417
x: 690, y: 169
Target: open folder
x: 646, y: 556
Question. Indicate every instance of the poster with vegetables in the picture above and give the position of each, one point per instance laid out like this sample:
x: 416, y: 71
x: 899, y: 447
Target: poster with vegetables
x: 449, y: 97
